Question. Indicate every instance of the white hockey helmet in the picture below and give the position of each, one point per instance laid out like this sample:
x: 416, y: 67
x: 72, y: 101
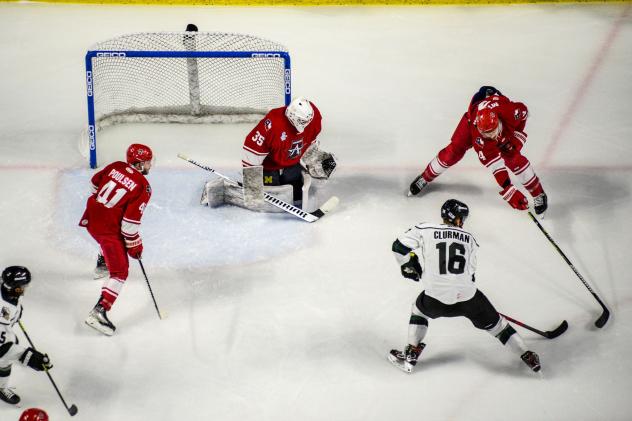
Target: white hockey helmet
x: 300, y: 113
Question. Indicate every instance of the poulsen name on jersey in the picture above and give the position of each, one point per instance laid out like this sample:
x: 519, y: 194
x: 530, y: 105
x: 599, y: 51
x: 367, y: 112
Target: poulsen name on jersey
x: 123, y: 179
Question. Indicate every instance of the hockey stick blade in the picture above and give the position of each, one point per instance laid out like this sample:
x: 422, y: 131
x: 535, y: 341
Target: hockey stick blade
x: 551, y: 334
x: 601, y: 321
x: 327, y: 207
x: 73, y: 410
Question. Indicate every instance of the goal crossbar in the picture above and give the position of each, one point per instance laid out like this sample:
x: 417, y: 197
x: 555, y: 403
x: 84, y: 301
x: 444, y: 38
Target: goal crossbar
x: 193, y: 84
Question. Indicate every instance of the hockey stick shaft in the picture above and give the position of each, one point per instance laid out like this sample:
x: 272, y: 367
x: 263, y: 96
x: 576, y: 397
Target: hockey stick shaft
x: 601, y: 321
x: 287, y: 207
x: 550, y: 334
x: 142, y: 267
x: 72, y: 409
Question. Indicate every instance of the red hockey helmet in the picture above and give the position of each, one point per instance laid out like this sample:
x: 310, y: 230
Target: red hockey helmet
x: 138, y: 153
x: 34, y: 414
x: 487, y: 123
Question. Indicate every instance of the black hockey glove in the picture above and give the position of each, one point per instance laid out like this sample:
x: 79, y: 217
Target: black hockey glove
x: 412, y: 269
x: 36, y: 360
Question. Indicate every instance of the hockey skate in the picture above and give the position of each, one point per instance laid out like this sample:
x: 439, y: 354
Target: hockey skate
x: 531, y: 359
x: 540, y: 203
x: 101, y: 270
x: 407, y: 359
x: 98, y: 319
x: 417, y: 186
x: 8, y: 396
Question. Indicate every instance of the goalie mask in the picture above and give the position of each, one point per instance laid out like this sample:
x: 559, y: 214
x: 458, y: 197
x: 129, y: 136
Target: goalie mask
x: 300, y: 113
x: 141, y: 157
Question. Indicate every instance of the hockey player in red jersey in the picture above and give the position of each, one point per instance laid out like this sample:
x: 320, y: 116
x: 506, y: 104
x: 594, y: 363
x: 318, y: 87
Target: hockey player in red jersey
x: 494, y: 126
x: 120, y: 193
x: 279, y: 143
x: 34, y: 414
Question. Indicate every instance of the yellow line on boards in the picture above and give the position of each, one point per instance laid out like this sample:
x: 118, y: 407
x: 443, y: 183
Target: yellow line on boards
x: 315, y: 2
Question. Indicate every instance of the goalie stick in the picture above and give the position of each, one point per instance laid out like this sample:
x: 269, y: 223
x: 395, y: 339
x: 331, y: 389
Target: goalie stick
x: 328, y: 206
x: 603, y: 318
x: 549, y: 334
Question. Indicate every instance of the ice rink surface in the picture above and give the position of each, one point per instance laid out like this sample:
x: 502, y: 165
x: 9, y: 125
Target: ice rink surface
x: 270, y: 318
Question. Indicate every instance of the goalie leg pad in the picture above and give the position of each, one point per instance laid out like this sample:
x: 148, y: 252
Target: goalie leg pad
x: 213, y: 193
x: 253, y: 186
x: 234, y: 195
x: 307, y: 182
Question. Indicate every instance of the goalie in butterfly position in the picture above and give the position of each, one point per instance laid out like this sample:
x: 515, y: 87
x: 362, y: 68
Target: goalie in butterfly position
x: 15, y: 279
x: 443, y: 257
x: 280, y: 156
x: 493, y: 125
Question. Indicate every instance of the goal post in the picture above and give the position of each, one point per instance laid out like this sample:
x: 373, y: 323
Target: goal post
x: 183, y: 77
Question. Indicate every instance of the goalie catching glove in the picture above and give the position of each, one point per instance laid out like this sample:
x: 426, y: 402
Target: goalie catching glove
x: 319, y: 164
x: 412, y: 269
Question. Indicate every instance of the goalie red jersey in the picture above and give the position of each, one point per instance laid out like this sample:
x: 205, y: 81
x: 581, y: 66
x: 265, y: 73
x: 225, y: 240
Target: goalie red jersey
x: 120, y: 194
x: 276, y: 143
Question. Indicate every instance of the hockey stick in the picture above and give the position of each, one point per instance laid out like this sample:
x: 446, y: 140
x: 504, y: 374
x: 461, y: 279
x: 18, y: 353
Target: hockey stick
x: 72, y: 409
x: 140, y: 262
x: 328, y: 206
x: 549, y: 334
x: 601, y: 321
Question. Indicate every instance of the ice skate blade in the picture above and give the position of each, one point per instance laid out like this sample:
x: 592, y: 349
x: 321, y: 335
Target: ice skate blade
x: 94, y: 324
x: 406, y: 368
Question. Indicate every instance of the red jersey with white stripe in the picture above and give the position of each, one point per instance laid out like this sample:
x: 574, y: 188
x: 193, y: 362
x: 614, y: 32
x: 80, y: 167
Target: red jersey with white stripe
x: 275, y: 143
x: 120, y: 195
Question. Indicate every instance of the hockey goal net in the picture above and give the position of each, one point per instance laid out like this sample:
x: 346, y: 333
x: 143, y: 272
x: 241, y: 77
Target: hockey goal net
x: 183, y: 77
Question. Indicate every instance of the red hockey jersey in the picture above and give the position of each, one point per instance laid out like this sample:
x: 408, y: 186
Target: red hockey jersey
x: 513, y: 116
x: 120, y: 195
x: 275, y: 143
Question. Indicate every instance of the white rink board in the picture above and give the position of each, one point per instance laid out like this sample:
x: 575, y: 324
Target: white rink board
x: 269, y: 318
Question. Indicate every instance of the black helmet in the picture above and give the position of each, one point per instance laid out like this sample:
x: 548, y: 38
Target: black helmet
x: 15, y: 278
x: 453, y: 209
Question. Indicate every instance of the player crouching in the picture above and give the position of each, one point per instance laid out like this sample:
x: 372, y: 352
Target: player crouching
x: 443, y: 256
x: 281, y: 157
x: 15, y: 279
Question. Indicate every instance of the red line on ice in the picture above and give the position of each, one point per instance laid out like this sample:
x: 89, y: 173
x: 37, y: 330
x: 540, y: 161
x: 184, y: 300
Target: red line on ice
x: 584, y: 85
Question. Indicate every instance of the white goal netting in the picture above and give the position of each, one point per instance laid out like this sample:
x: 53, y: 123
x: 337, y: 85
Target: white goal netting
x: 183, y: 77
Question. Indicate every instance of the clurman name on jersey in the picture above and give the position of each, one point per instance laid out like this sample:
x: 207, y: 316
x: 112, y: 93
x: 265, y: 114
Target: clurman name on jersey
x: 448, y: 234
x: 123, y: 179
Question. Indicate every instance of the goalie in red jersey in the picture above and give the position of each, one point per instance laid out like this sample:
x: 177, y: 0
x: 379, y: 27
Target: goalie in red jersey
x: 494, y: 126
x: 285, y: 144
x: 120, y: 193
